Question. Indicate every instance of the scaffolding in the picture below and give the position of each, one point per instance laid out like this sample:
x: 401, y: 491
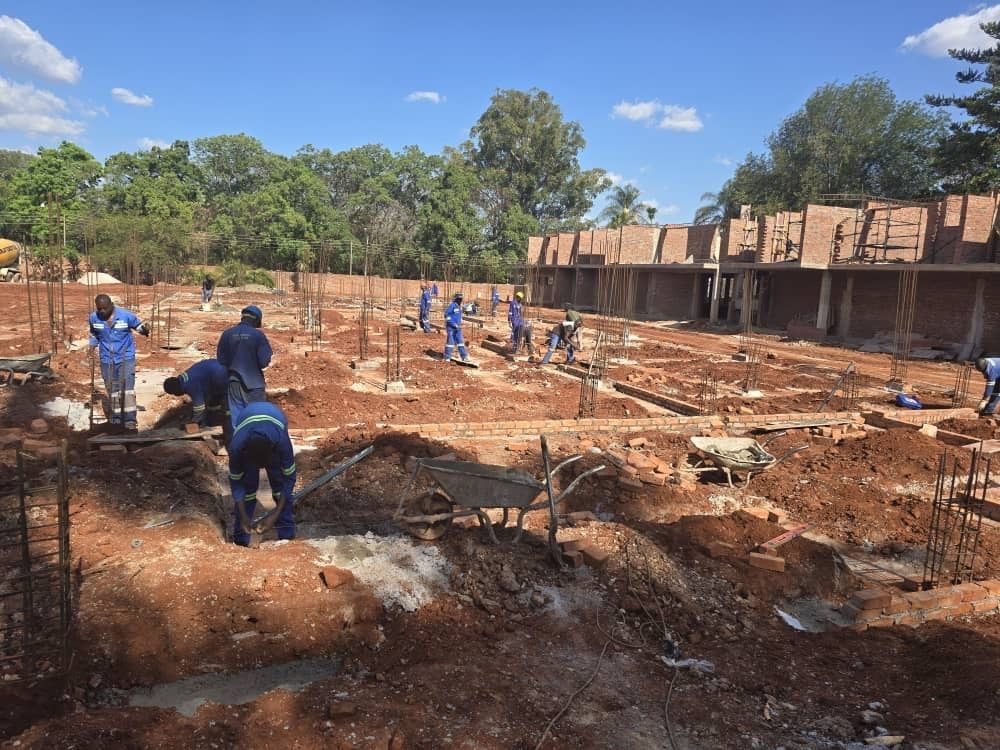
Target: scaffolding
x: 786, y: 239
x: 881, y: 230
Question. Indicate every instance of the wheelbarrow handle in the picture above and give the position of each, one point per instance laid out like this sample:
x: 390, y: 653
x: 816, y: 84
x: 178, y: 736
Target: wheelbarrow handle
x: 789, y: 454
x: 575, y: 482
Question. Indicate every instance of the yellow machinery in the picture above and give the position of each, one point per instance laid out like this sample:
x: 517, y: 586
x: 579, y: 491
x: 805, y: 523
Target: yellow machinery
x: 10, y: 252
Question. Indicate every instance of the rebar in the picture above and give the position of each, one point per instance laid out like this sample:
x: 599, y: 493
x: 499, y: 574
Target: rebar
x: 956, y: 521
x: 708, y: 392
x: 755, y: 354
x: 906, y: 299
x: 591, y: 381
x: 960, y: 393
x: 392, y: 371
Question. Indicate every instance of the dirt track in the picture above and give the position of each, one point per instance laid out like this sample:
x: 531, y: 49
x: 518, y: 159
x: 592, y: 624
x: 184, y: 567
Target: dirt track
x: 497, y: 639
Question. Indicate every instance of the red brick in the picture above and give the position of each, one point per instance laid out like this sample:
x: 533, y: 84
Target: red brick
x: 630, y: 484
x: 766, y: 562
x: 594, y: 556
x: 949, y: 596
x: 937, y: 614
x: 992, y: 586
x: 913, y: 619
x: 971, y: 592
x: 984, y: 605
x: 854, y: 614
x: 873, y: 599
x: 882, y: 622
x: 960, y: 610
x: 651, y: 478
x: 191, y: 428
x: 922, y: 599
x: 573, y: 545
x: 574, y: 559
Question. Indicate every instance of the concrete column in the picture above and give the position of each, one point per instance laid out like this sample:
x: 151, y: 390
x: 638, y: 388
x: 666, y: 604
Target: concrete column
x: 746, y: 311
x: 846, y: 303
x: 823, y: 312
x: 713, y: 313
x: 737, y: 289
x: 695, y: 311
x: 974, y: 337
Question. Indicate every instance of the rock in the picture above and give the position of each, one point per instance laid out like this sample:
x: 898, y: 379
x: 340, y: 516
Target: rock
x: 872, y: 717
x: 488, y: 605
x: 637, y: 442
x: 335, y: 577
x: 886, y: 740
x: 95, y: 681
x: 508, y: 581
x: 537, y: 600
x: 38, y: 427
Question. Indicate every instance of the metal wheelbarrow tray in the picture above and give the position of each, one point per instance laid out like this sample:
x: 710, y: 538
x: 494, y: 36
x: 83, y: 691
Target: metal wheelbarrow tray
x: 730, y: 454
x: 465, y: 488
x: 35, y: 366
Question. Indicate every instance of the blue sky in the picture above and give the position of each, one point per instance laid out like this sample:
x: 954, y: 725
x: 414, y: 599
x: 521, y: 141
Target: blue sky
x: 669, y: 98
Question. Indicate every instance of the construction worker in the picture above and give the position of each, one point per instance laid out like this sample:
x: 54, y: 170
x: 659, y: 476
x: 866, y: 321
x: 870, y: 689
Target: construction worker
x: 990, y: 368
x: 425, y: 307
x: 111, y: 333
x: 453, y: 329
x: 244, y: 351
x: 261, y: 441
x: 577, y: 320
x: 562, y: 333
x: 207, y: 290
x: 524, y: 337
x: 494, y: 301
x: 207, y: 385
x: 516, y: 320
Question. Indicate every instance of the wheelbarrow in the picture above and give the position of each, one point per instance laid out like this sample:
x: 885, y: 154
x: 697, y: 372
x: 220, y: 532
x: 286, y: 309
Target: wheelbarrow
x: 466, y: 489
x: 729, y: 454
x: 34, y: 366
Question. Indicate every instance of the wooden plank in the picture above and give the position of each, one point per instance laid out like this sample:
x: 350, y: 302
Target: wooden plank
x: 790, y: 425
x: 153, y: 436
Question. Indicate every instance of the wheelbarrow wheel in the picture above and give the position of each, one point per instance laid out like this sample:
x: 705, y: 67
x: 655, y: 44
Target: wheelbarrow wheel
x: 431, y: 503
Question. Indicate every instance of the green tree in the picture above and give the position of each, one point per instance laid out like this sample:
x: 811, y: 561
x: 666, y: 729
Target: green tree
x: 450, y: 227
x: 712, y: 209
x: 527, y: 159
x: 968, y: 156
x: 851, y: 138
x: 624, y: 207
x: 162, y: 183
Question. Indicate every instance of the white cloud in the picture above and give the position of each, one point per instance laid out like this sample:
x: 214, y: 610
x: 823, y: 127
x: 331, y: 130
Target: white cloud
x: 425, y: 96
x: 651, y: 203
x: 25, y: 109
x: 723, y: 160
x: 637, y: 111
x: 684, y: 119
x: 669, y: 210
x: 147, y: 143
x: 956, y: 32
x: 616, y: 179
x: 23, y: 48
x: 127, y: 97
x: 669, y: 116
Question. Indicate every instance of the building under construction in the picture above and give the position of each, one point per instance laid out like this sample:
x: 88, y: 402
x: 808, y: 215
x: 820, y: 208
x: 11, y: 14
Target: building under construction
x: 832, y: 270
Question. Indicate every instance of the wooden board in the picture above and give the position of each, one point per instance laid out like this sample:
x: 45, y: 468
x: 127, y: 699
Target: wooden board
x: 792, y: 425
x: 153, y: 436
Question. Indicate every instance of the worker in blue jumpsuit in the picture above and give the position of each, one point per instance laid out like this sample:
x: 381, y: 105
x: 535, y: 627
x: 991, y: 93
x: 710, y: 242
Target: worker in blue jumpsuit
x: 453, y: 330
x: 207, y: 290
x: 494, y: 301
x: 111, y: 333
x: 244, y: 351
x: 261, y: 441
x: 207, y: 385
x: 514, y: 317
x: 990, y: 368
x: 425, y: 308
x: 561, y: 333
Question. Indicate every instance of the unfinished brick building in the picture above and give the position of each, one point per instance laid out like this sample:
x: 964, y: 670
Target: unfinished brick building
x: 832, y: 270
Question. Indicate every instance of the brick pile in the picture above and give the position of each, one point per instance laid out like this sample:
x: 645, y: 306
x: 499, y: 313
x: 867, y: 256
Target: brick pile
x: 873, y: 608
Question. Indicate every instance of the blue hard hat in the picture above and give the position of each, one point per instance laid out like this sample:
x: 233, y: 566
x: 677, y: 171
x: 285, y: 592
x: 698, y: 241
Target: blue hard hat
x: 252, y: 311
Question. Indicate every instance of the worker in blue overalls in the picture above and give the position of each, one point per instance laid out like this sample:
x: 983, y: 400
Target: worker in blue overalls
x: 207, y: 385
x: 453, y: 330
x: 990, y: 368
x: 494, y: 301
x: 514, y: 317
x: 244, y: 351
x: 562, y: 333
x: 111, y: 332
x: 425, y: 308
x: 261, y: 441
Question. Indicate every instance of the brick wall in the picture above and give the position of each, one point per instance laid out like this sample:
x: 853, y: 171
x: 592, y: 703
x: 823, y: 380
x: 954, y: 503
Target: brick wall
x: 638, y: 244
x: 818, y: 224
x: 535, y: 249
x: 792, y: 294
x: 686, y: 243
x: 991, y: 316
x: 668, y: 296
x: 566, y: 254
x: 765, y: 236
x: 872, y: 608
x: 586, y: 287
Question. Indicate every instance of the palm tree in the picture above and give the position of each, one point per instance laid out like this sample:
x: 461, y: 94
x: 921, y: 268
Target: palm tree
x: 650, y: 213
x: 624, y: 206
x: 712, y: 210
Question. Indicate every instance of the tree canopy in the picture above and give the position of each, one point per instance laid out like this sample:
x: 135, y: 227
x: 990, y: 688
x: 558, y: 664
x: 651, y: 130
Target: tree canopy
x: 847, y: 138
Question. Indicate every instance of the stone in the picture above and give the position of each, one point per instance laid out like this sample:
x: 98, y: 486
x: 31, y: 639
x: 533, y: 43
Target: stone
x: 637, y: 442
x: 929, y: 430
x: 871, y: 717
x: 334, y: 577
x: 508, y: 581
x: 38, y: 427
x: 886, y: 740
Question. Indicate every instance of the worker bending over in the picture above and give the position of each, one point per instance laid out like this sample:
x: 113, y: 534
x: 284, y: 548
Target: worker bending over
x: 990, y: 368
x: 453, y: 330
x: 206, y: 383
x: 244, y: 351
x: 562, y: 333
x: 577, y: 320
x: 261, y: 441
x: 111, y: 332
